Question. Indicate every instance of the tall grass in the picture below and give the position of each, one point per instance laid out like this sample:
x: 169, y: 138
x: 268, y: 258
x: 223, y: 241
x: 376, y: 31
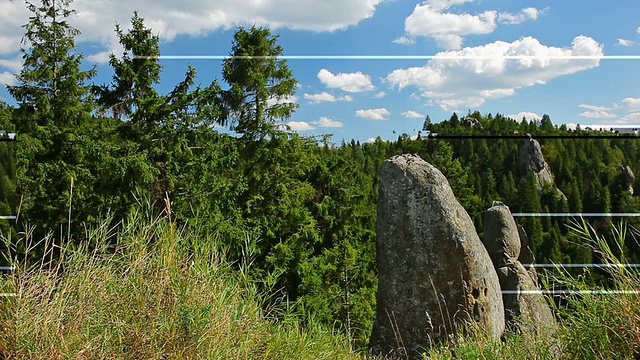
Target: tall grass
x: 606, y: 324
x: 146, y: 290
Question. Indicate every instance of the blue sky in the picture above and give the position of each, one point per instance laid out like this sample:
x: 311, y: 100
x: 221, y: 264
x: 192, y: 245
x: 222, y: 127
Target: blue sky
x: 370, y: 97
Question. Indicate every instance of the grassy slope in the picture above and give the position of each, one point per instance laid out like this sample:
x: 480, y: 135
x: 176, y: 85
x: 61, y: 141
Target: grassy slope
x: 165, y: 294
x: 161, y: 294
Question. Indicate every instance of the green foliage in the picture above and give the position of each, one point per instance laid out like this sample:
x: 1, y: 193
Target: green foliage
x: 257, y: 78
x: 53, y: 117
x: 294, y: 217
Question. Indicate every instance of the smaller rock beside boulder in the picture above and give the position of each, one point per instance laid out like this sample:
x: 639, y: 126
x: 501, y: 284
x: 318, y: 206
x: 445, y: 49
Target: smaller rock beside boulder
x: 526, y: 255
x: 526, y: 309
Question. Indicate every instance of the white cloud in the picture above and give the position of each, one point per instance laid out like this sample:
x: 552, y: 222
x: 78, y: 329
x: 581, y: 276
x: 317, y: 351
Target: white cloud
x: 284, y: 100
x: 371, y: 140
x: 599, y: 108
x: 14, y: 64
x: 374, y: 114
x: 632, y: 118
x: 525, y: 14
x: 633, y: 104
x: 379, y: 95
x: 404, y: 40
x: 625, y: 42
x: 101, y: 57
x: 638, y: 30
x: 7, y: 78
x: 299, y: 126
x: 327, y: 122
x: 325, y: 96
x: 597, y: 114
x: 447, y: 28
x: 525, y: 114
x: 468, y: 77
x: 351, y: 82
x: 168, y: 18
x: 412, y: 114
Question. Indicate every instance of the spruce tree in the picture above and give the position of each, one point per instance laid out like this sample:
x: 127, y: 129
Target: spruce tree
x: 53, y: 116
x: 260, y: 84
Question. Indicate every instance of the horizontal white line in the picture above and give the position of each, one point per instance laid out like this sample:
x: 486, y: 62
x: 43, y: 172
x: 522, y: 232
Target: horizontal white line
x: 8, y: 294
x: 570, y: 292
x: 7, y: 217
x: 582, y: 265
x: 7, y: 268
x: 572, y: 214
x: 392, y: 57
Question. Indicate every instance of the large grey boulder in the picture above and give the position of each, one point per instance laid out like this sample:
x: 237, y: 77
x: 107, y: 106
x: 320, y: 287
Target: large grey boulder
x: 434, y: 273
x: 525, y: 307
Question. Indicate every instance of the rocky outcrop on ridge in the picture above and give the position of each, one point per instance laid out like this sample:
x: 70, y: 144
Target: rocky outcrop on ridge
x: 526, y: 309
x: 471, y: 123
x: 434, y: 272
x: 628, y: 176
x: 532, y: 162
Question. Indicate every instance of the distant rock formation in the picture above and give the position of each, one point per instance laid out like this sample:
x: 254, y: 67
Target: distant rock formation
x: 470, y: 122
x: 434, y: 273
x: 628, y: 176
x: 526, y: 309
x: 532, y: 162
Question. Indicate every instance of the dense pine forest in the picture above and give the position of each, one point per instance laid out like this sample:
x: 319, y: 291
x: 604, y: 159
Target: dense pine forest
x: 297, y: 214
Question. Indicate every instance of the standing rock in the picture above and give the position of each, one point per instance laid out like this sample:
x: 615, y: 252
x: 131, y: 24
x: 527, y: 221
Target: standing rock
x: 434, y: 273
x: 525, y: 307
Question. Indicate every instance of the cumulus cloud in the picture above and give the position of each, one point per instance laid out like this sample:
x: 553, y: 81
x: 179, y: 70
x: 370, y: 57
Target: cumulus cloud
x: 529, y: 13
x: 374, y: 114
x: 525, y: 114
x: 327, y: 122
x: 412, y: 114
x: 597, y: 114
x: 453, y: 79
x: 284, y: 100
x: 625, y: 42
x: 448, y: 29
x: 379, y: 95
x: 169, y: 19
x: 351, y: 82
x: 371, y: 140
x: 14, y: 64
x: 300, y: 126
x: 325, y: 96
x: 633, y: 104
x: 599, y: 108
x: 7, y: 78
x: 404, y: 40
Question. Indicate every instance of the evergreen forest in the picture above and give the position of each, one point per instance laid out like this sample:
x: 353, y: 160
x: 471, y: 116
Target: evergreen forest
x: 296, y: 214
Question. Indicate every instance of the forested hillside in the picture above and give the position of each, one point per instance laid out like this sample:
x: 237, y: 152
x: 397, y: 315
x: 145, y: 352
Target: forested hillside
x: 301, y: 211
